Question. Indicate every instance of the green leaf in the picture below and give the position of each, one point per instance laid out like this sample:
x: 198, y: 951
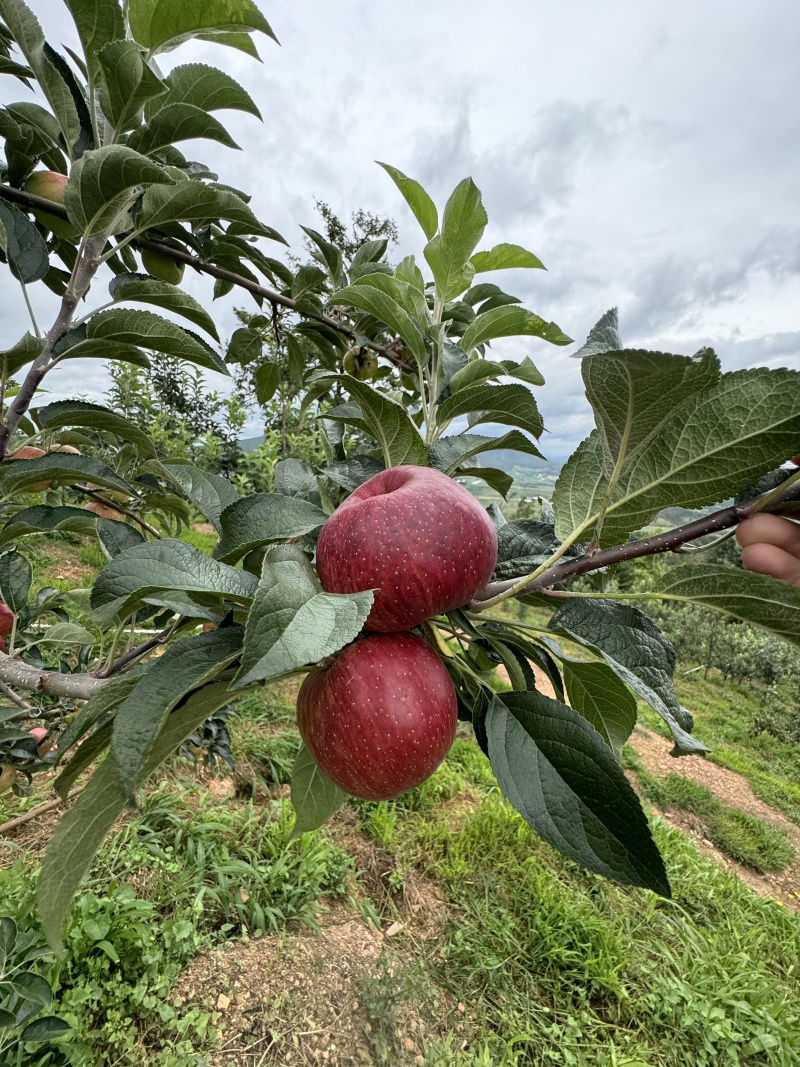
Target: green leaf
x: 194, y: 201
x: 190, y: 664
x: 563, y: 779
x: 161, y: 25
x: 66, y: 633
x: 48, y: 1028
x: 314, y: 796
x: 103, y: 184
x: 448, y: 252
x: 293, y: 477
x: 146, y: 290
x: 477, y: 370
x: 25, y: 247
x: 23, y: 352
x: 15, y: 580
x: 603, y: 337
x: 382, y: 306
x: 206, y: 88
x: 638, y: 653
x: 292, y: 621
x: 388, y: 423
x: 16, y: 474
x: 81, y: 830
x: 115, y: 536
x: 598, y: 694
x: 95, y: 417
x: 417, y: 199
x: 178, y: 122
x: 127, y: 83
x: 245, y: 345
x: 329, y: 255
x: 100, y: 705
x: 211, y: 493
x: 98, y: 348
x: 754, y: 598
x: 350, y: 473
x: 151, y: 572
x: 510, y: 405
x: 634, y: 394
x: 510, y: 321
x: 266, y: 379
x: 525, y: 544
x: 494, y: 477
x: 711, y: 445
x: 523, y: 372
x: 98, y: 23
x: 504, y: 256
x: 447, y: 453
x: 132, y: 327
x: 262, y: 519
x: 27, y: 33
x: 8, y: 66
x: 43, y: 519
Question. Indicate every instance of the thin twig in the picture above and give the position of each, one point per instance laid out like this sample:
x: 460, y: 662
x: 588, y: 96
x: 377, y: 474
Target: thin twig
x: 29, y: 306
x: 28, y: 200
x: 20, y: 820
x: 139, y: 650
x: 7, y: 691
x: 118, y: 507
x: 495, y: 592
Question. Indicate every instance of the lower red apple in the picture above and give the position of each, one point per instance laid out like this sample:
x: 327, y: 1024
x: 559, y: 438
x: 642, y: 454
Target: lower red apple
x: 31, y: 452
x: 382, y: 718
x: 416, y: 535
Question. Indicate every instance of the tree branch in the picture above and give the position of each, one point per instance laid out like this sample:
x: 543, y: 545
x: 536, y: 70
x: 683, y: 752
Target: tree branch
x: 648, y: 546
x: 28, y: 200
x: 79, y: 283
x: 22, y: 675
x: 118, y: 507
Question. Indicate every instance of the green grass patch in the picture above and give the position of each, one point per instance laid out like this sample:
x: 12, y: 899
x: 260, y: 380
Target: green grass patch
x: 559, y: 966
x: 741, y: 836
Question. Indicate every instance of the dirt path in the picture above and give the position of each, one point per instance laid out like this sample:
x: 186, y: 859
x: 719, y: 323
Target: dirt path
x: 732, y: 789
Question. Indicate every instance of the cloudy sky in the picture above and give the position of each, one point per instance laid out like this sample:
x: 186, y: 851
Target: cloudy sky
x: 647, y: 153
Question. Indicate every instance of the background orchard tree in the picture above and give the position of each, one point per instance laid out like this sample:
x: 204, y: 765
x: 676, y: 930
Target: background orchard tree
x: 671, y: 430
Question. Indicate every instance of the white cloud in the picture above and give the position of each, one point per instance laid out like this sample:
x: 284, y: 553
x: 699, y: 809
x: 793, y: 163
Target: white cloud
x: 648, y: 155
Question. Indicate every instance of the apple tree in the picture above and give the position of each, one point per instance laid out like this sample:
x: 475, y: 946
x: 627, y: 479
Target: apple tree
x: 98, y: 204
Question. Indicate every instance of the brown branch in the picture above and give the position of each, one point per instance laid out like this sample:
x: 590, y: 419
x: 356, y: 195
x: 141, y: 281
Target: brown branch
x: 51, y: 805
x: 648, y: 546
x: 28, y: 200
x: 140, y: 650
x: 118, y: 507
x: 86, y: 269
x: 22, y: 675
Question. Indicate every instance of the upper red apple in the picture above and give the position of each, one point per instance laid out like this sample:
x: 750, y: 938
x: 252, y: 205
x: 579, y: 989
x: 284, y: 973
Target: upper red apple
x: 382, y: 718
x: 6, y: 619
x: 416, y: 535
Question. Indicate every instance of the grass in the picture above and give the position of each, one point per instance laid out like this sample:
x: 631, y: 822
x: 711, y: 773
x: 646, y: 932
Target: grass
x: 741, y: 836
x: 559, y: 966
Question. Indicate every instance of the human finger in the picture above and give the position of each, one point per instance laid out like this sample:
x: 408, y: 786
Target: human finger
x: 771, y: 530
x: 769, y: 559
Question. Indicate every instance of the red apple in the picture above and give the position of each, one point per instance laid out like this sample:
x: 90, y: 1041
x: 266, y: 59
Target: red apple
x: 31, y: 452
x: 382, y: 718
x: 416, y: 535
x: 102, y: 511
x: 6, y: 619
x: 51, y: 185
